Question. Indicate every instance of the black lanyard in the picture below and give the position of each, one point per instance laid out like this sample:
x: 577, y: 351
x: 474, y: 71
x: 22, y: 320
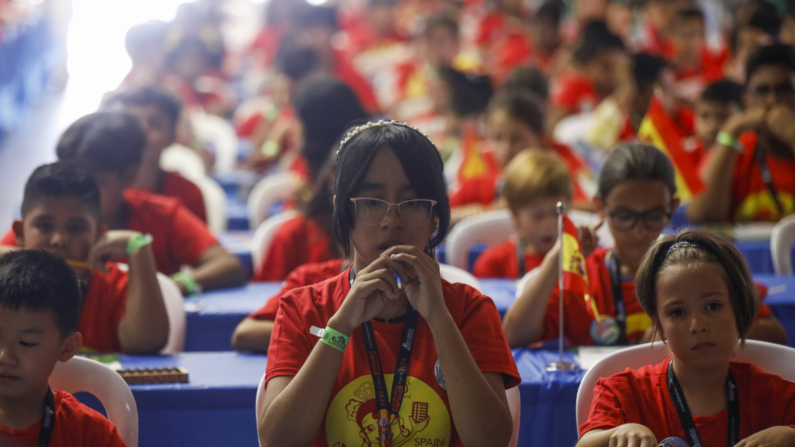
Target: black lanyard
x: 48, y: 421
x: 618, y: 296
x: 767, y: 177
x: 686, y: 419
x: 520, y: 257
x: 387, y: 411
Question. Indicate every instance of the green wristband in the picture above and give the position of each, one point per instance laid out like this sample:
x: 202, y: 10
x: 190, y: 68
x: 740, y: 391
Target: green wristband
x: 137, y: 242
x: 726, y: 139
x: 190, y: 285
x: 331, y: 337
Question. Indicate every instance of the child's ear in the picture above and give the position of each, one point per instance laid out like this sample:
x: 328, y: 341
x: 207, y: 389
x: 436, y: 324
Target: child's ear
x: 19, y: 232
x: 69, y: 346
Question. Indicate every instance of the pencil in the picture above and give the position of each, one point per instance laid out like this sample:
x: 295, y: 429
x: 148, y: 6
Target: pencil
x: 79, y: 264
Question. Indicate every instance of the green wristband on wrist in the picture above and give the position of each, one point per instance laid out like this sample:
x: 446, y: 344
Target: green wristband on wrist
x: 331, y: 337
x: 726, y: 139
x: 190, y: 284
x: 137, y: 242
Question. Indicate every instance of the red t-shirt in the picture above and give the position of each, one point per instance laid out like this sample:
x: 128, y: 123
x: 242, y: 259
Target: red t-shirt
x: 579, y: 316
x: 306, y: 275
x: 103, y: 308
x: 179, y: 237
x: 297, y: 242
x: 347, y: 73
x: 75, y: 424
x: 642, y: 397
x: 178, y: 187
x: 751, y: 200
x: 575, y: 93
x: 425, y: 413
x: 500, y: 261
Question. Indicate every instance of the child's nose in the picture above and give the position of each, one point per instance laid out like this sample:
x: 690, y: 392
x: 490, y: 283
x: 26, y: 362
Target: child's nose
x: 697, y: 324
x: 58, y: 239
x: 7, y: 356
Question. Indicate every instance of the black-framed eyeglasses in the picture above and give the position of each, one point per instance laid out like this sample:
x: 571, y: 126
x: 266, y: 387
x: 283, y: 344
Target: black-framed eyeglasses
x: 781, y: 92
x: 411, y: 212
x: 625, y: 220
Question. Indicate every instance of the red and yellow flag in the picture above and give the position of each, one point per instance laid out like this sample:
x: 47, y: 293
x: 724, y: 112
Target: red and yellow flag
x: 575, y: 276
x: 473, y: 165
x: 658, y: 129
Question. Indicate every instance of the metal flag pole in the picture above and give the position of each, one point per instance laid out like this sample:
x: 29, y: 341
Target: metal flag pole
x: 560, y: 365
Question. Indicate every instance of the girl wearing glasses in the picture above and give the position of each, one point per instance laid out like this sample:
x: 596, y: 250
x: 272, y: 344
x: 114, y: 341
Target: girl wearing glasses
x: 636, y: 197
x: 388, y: 353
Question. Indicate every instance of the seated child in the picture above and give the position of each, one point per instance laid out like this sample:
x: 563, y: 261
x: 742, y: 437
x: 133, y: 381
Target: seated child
x: 697, y: 290
x: 159, y: 114
x: 254, y: 333
x: 719, y: 101
x: 636, y: 197
x: 441, y: 340
x: 695, y: 63
x: 40, y: 301
x: 122, y: 311
x: 750, y: 172
x: 111, y: 145
x: 535, y: 181
x: 326, y: 108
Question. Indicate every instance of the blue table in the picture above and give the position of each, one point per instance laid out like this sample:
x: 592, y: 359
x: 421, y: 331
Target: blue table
x: 217, y: 407
x: 212, y: 317
x: 239, y: 243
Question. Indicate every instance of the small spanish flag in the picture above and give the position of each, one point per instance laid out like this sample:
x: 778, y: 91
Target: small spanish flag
x: 575, y: 277
x: 473, y: 165
x: 658, y: 129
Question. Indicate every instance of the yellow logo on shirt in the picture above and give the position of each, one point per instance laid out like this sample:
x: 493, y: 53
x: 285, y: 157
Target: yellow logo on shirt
x: 352, y: 417
x: 761, y: 207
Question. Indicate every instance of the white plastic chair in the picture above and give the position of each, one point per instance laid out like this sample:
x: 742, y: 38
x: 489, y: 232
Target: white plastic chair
x: 513, y: 395
x: 264, y: 235
x: 183, y: 160
x: 496, y: 226
x: 753, y: 231
x: 773, y: 358
x: 781, y: 245
x: 175, y: 310
x: 456, y: 275
x: 574, y: 128
x: 214, y: 203
x: 84, y: 375
x: 217, y: 132
x: 267, y: 192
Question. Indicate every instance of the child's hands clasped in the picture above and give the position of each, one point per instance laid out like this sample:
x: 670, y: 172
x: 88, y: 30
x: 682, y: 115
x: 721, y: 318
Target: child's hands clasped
x: 422, y: 281
x: 633, y: 435
x: 774, y: 436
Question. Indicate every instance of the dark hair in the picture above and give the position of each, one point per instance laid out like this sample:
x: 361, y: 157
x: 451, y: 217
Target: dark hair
x: 295, y: 61
x: 61, y: 179
x: 635, y: 161
x: 167, y: 102
x: 420, y: 160
x: 647, y: 69
x: 144, y: 36
x: 698, y: 246
x: 766, y: 18
x: 326, y: 109
x: 723, y: 91
x: 469, y: 94
x: 528, y: 78
x: 104, y: 141
x: 776, y: 54
x: 595, y: 38
x: 212, y: 51
x: 688, y: 14
x: 552, y: 10
x: 39, y: 281
x: 440, y: 21
x: 521, y: 106
x: 309, y: 16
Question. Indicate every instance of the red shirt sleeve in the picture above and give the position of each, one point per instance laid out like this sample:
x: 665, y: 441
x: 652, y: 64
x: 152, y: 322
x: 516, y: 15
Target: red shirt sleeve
x: 606, y: 411
x: 103, y: 308
x: 574, y: 94
x: 76, y: 424
x: 10, y: 239
x: 475, y: 190
x: 298, y: 241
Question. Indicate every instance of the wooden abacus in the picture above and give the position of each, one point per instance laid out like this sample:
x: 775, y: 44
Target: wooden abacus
x: 154, y: 375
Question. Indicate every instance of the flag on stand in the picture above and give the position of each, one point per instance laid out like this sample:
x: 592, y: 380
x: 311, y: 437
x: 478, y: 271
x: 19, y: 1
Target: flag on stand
x: 658, y: 129
x: 575, y: 277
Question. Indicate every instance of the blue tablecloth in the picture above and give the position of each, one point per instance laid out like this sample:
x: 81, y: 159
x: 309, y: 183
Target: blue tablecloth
x: 239, y: 244
x: 217, y: 407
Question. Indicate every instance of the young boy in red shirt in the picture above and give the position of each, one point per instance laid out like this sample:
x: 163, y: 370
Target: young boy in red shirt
x: 695, y: 64
x: 39, y: 311
x: 750, y: 172
x: 159, y: 112
x: 121, y: 311
x: 111, y: 145
x: 535, y: 181
x: 719, y: 101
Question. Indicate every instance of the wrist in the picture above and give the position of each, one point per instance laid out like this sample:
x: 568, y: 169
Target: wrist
x: 439, y: 319
x: 136, y: 242
x: 337, y: 323
x: 730, y: 141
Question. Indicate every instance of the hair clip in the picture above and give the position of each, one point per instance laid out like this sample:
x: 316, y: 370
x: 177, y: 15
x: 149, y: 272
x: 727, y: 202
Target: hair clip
x: 684, y: 244
x: 379, y: 123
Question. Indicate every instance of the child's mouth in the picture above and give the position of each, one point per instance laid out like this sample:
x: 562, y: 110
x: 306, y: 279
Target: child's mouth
x: 7, y: 378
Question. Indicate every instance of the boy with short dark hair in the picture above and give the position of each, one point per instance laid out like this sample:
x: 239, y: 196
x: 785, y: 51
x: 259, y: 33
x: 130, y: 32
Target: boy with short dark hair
x: 750, y: 171
x: 717, y: 103
x: 121, y: 311
x: 159, y: 113
x: 111, y: 145
x: 39, y: 312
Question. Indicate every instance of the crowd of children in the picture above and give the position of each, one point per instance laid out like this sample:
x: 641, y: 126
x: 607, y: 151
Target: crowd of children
x: 403, y: 118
